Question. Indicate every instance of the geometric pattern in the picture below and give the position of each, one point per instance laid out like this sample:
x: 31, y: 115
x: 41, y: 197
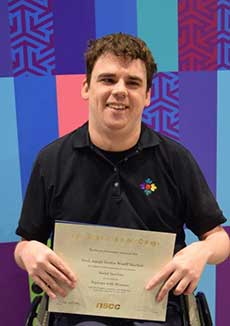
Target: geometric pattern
x: 163, y: 113
x: 223, y: 36
x: 197, y: 35
x: 32, y: 37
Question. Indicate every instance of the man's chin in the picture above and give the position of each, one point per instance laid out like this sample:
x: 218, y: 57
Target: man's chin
x: 116, y: 126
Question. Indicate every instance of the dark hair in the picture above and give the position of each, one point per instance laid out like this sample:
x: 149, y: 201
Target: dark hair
x: 121, y: 45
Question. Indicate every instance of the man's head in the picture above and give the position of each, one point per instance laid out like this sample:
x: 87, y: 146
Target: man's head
x: 121, y: 45
x: 117, y: 87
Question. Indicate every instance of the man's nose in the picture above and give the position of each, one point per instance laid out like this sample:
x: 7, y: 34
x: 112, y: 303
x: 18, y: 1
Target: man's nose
x: 120, y: 89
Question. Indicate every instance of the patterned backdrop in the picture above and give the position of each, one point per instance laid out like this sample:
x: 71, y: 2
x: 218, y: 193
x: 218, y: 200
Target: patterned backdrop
x: 41, y: 70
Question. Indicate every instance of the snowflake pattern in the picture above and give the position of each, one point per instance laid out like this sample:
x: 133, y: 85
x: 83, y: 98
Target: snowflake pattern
x: 148, y: 186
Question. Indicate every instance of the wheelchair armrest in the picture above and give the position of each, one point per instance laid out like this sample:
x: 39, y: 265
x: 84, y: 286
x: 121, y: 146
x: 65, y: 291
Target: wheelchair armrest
x: 33, y: 312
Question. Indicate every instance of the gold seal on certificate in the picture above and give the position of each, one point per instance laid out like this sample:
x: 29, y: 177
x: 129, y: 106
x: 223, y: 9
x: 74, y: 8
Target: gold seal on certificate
x: 112, y: 266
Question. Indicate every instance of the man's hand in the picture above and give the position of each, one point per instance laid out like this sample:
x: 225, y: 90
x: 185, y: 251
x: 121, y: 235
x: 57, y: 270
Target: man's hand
x: 45, y: 268
x: 182, y: 273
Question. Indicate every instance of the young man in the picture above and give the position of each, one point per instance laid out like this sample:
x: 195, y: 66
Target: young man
x: 94, y: 175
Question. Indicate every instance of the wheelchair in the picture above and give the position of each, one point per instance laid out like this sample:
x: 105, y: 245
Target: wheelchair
x: 194, y: 310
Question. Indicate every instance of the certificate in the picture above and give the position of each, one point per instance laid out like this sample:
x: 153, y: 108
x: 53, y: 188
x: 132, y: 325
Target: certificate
x: 112, y: 266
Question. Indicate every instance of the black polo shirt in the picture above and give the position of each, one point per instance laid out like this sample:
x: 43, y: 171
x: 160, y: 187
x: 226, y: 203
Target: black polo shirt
x: 157, y: 185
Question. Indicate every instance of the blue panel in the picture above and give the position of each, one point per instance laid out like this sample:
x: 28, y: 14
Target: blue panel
x: 158, y: 26
x: 5, y: 49
x: 223, y: 148
x: 10, y: 185
x: 207, y: 282
x: 115, y: 16
x: 37, y: 118
x: 74, y: 25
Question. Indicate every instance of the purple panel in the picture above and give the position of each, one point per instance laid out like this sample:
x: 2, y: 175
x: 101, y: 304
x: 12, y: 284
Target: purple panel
x: 74, y: 25
x: 5, y: 50
x: 198, y: 106
x: 14, y: 304
x: 222, y: 292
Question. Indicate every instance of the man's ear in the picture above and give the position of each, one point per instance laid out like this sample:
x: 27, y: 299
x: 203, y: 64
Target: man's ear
x: 148, y: 98
x: 85, y: 90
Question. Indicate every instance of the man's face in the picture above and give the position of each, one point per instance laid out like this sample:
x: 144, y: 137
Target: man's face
x: 117, y: 93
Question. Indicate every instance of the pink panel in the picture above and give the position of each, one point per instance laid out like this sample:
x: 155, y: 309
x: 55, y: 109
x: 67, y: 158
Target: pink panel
x: 72, y: 109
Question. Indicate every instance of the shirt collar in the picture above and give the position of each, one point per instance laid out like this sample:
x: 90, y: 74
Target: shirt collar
x: 148, y: 137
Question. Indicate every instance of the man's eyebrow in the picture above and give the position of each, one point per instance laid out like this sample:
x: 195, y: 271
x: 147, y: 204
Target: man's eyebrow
x: 111, y: 75
x: 107, y: 75
x: 136, y: 78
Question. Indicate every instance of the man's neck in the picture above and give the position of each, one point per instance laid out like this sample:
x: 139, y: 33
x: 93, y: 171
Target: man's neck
x: 114, y: 140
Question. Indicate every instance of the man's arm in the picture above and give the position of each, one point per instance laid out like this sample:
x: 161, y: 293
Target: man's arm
x: 46, y: 269
x: 183, y: 272
x: 217, y: 242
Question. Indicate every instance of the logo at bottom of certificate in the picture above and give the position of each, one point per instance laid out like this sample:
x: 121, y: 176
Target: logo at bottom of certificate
x: 107, y: 305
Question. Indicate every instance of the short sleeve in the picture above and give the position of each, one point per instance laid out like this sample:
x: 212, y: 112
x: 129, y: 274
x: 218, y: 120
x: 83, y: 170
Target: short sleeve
x: 201, y: 210
x: 34, y: 222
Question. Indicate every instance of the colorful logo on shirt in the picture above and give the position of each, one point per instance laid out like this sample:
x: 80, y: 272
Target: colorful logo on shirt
x: 148, y: 186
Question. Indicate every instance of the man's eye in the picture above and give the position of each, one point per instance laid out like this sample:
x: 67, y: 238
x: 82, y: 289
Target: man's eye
x: 107, y: 80
x: 133, y: 83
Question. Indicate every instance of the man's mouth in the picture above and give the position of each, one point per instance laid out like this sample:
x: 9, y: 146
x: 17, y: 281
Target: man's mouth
x: 117, y: 106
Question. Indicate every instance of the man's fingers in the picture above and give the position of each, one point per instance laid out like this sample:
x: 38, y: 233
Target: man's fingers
x: 60, y: 276
x: 160, y: 277
x: 191, y: 288
x: 52, y: 284
x: 47, y: 269
x: 61, y: 266
x: 169, y: 285
x: 44, y: 287
x: 182, y: 286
